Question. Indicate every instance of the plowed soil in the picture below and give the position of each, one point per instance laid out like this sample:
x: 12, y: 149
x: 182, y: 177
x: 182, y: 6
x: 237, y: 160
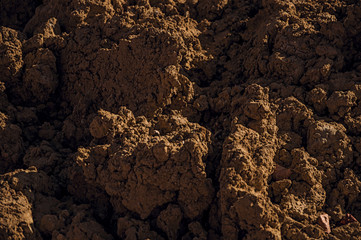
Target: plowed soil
x: 180, y: 119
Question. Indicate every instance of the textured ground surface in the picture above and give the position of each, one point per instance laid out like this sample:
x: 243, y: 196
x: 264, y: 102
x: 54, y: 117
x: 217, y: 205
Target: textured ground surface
x: 180, y: 119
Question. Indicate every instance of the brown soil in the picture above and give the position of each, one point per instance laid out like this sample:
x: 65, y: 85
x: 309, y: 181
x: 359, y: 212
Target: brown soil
x: 180, y: 119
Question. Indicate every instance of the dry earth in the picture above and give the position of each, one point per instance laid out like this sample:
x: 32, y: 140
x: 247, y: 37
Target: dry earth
x: 180, y: 119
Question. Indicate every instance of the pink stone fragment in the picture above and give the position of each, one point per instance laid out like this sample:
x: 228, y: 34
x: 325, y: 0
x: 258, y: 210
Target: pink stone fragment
x: 324, y: 221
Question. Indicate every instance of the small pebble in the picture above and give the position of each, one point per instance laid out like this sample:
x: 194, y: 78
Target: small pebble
x: 324, y: 221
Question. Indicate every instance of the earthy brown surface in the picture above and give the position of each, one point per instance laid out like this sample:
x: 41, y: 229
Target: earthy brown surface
x: 180, y: 119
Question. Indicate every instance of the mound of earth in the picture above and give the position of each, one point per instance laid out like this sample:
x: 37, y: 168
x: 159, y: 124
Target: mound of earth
x: 180, y: 119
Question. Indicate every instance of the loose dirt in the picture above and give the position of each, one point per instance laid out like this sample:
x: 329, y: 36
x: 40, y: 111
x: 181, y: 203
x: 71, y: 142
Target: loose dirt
x: 180, y: 119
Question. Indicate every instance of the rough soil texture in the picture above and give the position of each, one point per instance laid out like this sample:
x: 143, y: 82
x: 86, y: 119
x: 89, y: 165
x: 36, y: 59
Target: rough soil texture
x: 180, y: 119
